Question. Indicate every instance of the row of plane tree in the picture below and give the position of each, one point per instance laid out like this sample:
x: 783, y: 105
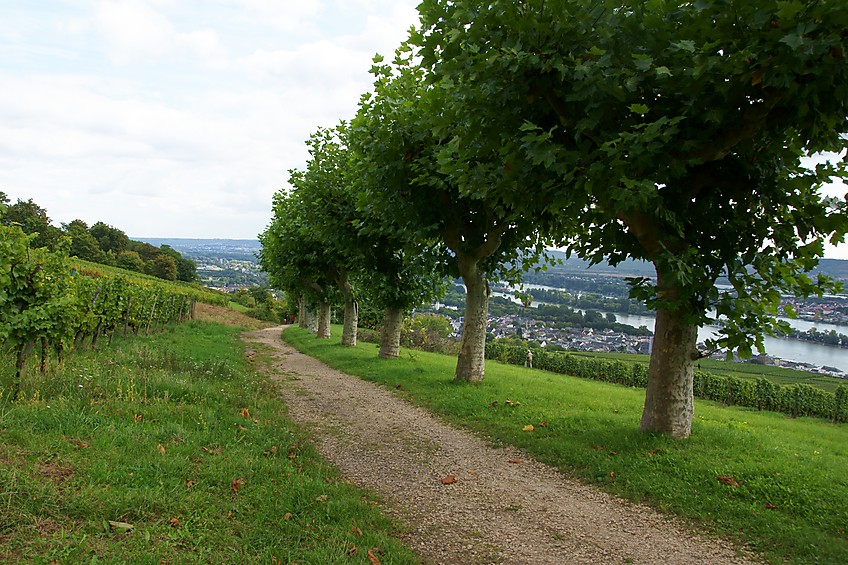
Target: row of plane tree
x: 679, y: 134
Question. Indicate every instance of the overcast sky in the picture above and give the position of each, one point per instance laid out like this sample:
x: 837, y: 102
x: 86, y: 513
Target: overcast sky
x: 179, y: 118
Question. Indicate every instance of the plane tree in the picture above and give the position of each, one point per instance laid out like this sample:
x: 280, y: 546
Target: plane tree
x: 413, y: 185
x: 683, y: 131
x: 295, y: 262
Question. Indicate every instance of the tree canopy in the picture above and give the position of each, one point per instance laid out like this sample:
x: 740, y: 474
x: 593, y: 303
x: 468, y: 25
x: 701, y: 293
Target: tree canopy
x: 681, y: 131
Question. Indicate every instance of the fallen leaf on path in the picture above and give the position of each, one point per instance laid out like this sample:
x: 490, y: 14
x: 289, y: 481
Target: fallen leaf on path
x: 449, y: 480
x: 727, y: 480
x: 514, y: 461
x: 528, y: 428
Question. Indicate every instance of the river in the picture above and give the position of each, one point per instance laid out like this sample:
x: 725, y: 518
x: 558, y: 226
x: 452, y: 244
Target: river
x: 796, y: 350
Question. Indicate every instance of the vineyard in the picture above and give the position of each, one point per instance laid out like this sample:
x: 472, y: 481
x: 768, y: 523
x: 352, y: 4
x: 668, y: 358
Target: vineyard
x: 57, y: 303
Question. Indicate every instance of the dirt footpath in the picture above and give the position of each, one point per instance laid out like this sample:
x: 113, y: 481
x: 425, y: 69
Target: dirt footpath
x: 498, y: 510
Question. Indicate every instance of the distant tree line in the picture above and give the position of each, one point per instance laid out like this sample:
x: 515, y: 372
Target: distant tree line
x: 100, y: 243
x: 826, y: 337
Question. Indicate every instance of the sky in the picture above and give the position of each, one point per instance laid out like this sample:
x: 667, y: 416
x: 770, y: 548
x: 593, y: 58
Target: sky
x: 177, y: 118
x: 180, y: 118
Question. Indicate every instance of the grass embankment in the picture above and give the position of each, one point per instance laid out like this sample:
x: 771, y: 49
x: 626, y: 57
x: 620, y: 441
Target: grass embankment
x: 171, y: 449
x: 776, y: 485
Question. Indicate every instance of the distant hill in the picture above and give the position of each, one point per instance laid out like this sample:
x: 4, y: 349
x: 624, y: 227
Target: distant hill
x: 835, y: 268
x: 242, y: 249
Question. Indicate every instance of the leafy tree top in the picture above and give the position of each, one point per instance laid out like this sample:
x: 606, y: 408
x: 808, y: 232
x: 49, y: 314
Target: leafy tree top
x: 679, y: 130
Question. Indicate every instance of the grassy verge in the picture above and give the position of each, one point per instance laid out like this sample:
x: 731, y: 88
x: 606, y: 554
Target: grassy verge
x: 776, y: 485
x: 171, y: 449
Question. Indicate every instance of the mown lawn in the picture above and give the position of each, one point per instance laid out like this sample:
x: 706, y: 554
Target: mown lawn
x: 775, y: 485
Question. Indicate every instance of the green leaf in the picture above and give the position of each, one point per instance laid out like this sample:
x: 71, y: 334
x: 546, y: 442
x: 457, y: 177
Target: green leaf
x: 643, y: 62
x: 639, y: 109
x: 793, y: 40
x: 663, y: 71
x: 685, y: 45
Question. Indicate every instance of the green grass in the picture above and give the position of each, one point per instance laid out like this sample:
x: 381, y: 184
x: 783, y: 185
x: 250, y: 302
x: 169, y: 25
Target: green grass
x: 751, y: 371
x: 178, y: 436
x: 237, y: 307
x: 791, y: 502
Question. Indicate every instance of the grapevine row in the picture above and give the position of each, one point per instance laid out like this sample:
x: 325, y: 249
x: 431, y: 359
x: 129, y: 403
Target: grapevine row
x: 48, y: 299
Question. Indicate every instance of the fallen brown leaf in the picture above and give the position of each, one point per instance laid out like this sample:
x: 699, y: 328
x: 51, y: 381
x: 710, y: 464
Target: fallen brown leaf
x: 528, y: 428
x: 514, y: 461
x: 355, y: 529
x: 543, y: 424
x: 189, y: 483
x: 175, y: 522
x: 138, y: 418
x: 287, y: 516
x: 771, y: 506
x: 245, y: 413
x: 727, y: 480
x: 237, y: 484
x: 652, y: 453
x: 612, y: 474
x: 352, y: 550
x: 373, y: 558
x: 449, y: 480
x: 161, y: 448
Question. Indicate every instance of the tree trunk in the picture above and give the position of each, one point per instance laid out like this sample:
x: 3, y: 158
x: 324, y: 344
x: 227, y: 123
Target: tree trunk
x: 351, y: 311
x: 43, y: 366
x: 302, y: 314
x: 323, y: 331
x: 390, y: 337
x: 669, y: 400
x: 312, y: 318
x: 470, y: 365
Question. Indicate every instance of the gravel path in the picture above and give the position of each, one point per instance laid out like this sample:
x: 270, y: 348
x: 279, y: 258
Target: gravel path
x: 498, y: 510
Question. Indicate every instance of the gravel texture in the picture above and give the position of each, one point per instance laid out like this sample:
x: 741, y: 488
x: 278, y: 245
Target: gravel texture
x: 503, y: 508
